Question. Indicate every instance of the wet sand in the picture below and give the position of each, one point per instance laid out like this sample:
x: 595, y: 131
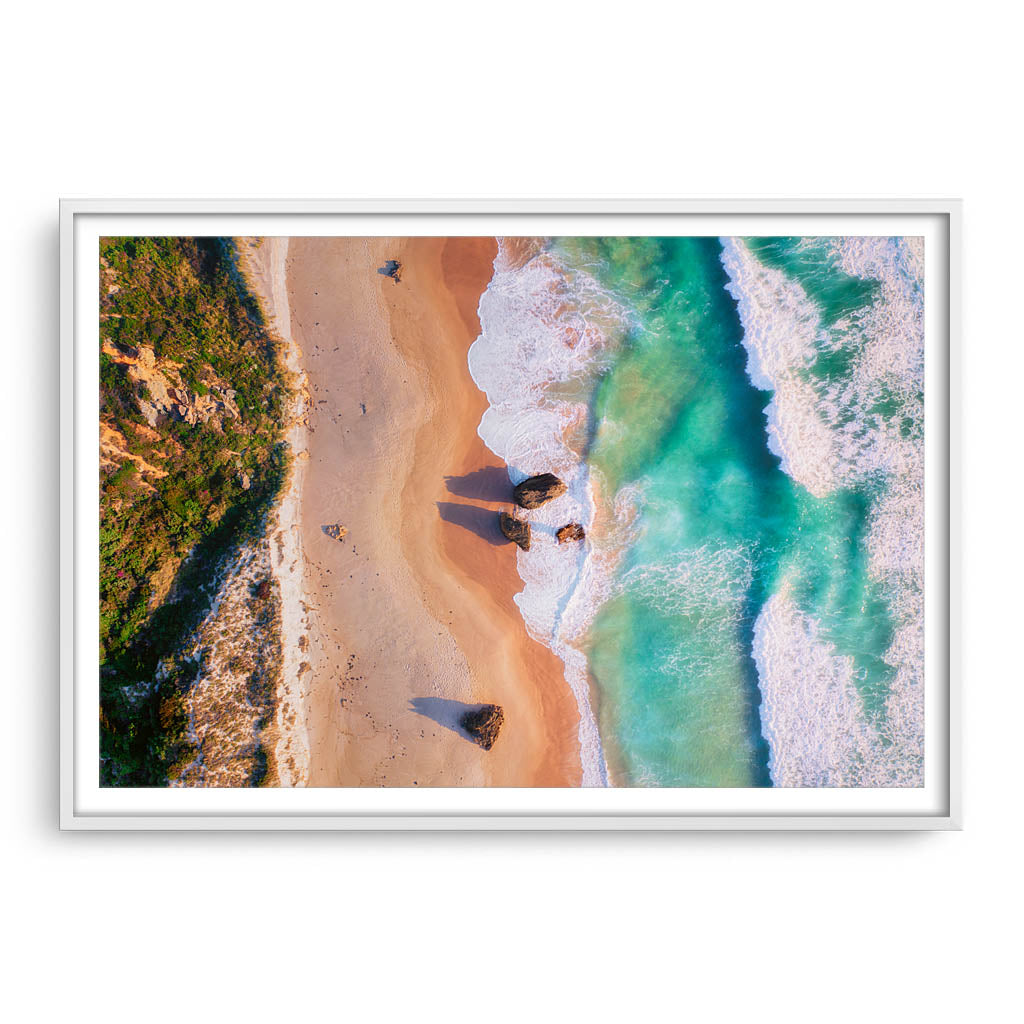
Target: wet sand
x: 411, y: 617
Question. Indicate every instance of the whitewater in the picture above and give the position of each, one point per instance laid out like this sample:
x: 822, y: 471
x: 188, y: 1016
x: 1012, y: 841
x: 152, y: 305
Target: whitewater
x: 545, y: 333
x: 740, y: 426
x: 829, y: 434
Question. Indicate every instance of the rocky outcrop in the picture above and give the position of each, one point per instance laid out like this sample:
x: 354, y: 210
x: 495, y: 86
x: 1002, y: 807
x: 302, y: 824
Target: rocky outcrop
x: 114, y: 453
x: 335, y: 531
x: 536, y: 490
x: 483, y: 724
x: 162, y: 395
x: 569, y: 532
x: 515, y: 529
x: 392, y: 269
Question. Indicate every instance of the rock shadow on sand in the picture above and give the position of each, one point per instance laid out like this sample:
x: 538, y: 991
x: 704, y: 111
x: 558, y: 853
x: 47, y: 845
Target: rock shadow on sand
x: 488, y: 484
x: 480, y: 521
x: 447, y: 713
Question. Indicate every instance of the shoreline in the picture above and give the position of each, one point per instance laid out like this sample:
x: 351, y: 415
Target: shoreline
x: 411, y: 617
x: 532, y: 361
x: 476, y: 488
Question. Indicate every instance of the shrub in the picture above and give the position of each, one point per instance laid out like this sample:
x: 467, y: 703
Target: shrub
x: 185, y: 298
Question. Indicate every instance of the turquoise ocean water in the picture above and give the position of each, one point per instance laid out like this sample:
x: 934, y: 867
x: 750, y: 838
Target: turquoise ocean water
x: 740, y: 424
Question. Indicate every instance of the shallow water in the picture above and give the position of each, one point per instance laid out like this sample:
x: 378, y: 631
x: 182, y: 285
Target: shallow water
x: 739, y: 423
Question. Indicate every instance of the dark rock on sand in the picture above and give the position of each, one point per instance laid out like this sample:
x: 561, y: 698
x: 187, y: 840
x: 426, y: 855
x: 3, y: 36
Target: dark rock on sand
x: 335, y: 531
x: 515, y: 529
x: 571, y: 531
x: 392, y: 269
x: 535, y: 490
x: 484, y: 724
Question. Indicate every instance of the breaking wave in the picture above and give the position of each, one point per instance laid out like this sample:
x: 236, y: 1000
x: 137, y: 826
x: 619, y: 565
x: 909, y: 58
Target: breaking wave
x: 860, y: 428
x: 547, y: 330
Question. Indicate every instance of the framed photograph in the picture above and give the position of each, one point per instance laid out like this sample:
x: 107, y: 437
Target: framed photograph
x: 567, y: 514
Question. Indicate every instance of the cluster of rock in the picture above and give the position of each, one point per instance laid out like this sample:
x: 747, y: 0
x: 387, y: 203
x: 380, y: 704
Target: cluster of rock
x: 483, y: 724
x: 532, y: 493
x: 335, y: 531
x: 161, y: 394
x: 392, y: 269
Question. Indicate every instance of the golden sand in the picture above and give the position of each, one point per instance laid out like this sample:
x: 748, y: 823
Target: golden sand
x: 411, y: 613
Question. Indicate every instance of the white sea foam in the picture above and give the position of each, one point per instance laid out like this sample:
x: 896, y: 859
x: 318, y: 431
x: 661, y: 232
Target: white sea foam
x: 546, y: 331
x: 811, y: 712
x: 693, y: 581
x: 782, y: 333
x: 866, y: 426
x: 706, y: 586
x: 892, y: 359
x: 812, y: 715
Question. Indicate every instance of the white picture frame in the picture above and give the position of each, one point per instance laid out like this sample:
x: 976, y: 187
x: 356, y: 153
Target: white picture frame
x: 84, y: 806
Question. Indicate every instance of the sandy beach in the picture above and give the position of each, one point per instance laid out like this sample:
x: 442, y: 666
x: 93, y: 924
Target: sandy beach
x: 263, y: 261
x: 410, y: 618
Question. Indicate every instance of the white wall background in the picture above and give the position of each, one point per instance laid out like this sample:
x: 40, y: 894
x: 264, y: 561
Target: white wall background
x: 384, y: 99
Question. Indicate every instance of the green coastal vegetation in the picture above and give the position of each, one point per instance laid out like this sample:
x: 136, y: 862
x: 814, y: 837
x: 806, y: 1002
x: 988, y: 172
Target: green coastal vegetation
x: 183, y: 483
